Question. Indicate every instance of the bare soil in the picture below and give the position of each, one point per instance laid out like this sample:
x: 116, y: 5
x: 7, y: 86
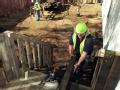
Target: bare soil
x: 56, y: 31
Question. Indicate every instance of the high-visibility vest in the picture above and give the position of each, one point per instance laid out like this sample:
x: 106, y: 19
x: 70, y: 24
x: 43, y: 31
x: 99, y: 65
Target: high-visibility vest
x: 82, y: 44
x: 36, y: 6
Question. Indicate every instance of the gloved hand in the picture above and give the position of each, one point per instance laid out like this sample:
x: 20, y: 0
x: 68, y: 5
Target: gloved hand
x: 76, y: 66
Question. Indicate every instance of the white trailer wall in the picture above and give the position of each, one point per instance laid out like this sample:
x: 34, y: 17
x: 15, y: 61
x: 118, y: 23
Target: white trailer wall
x: 111, y: 24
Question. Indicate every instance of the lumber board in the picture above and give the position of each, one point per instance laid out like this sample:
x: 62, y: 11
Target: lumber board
x: 14, y: 55
x: 104, y: 71
x: 66, y: 78
x: 34, y: 53
x: 114, y: 75
x: 29, y: 55
x: 39, y: 56
x: 22, y: 54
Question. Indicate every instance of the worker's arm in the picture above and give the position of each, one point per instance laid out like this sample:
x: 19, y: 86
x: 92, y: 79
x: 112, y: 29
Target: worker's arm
x: 70, y: 49
x: 81, y: 59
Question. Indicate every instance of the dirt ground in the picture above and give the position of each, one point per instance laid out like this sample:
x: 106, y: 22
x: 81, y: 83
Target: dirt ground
x: 57, y: 31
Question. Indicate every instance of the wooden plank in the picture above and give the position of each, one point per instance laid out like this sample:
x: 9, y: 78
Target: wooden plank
x: 104, y: 72
x: 2, y: 78
x: 114, y: 75
x: 65, y: 79
x: 11, y: 69
x: 47, y: 59
x: 39, y: 56
x: 96, y: 72
x: 22, y: 54
x: 50, y: 52
x: 14, y: 54
x: 34, y: 52
x: 43, y: 54
x: 29, y: 54
x: 7, y: 66
x: 43, y: 46
x: 33, y: 39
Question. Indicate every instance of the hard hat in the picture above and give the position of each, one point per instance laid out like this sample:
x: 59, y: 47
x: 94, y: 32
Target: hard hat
x: 81, y: 27
x: 38, y: 1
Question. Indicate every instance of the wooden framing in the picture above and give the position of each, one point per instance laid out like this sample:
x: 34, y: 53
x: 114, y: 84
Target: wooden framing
x: 33, y: 53
x: 66, y: 78
x: 22, y: 53
x: 103, y: 77
x: 6, y: 59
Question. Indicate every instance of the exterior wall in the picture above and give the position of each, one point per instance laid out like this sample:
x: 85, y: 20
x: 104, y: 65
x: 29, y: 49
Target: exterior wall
x: 8, y: 6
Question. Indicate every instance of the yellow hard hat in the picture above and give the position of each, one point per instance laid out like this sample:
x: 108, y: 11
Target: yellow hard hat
x: 81, y: 27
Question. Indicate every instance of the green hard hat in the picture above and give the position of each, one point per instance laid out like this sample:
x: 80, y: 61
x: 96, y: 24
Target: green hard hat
x: 81, y: 27
x: 37, y: 1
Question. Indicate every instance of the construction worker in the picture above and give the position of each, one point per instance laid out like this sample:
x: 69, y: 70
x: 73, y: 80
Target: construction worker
x: 81, y: 45
x: 37, y: 10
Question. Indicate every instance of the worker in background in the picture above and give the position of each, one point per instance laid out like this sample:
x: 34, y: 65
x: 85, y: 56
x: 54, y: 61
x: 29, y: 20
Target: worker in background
x: 80, y: 45
x: 80, y: 3
x: 37, y: 10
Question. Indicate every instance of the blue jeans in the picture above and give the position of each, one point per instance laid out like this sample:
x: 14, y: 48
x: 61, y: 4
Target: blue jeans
x: 37, y: 15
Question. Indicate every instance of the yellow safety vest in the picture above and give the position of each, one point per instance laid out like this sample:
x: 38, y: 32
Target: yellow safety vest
x: 82, y: 44
x: 36, y: 6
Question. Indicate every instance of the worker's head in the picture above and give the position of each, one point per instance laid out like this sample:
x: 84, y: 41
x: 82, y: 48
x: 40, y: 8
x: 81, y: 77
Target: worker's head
x: 81, y: 28
x: 37, y: 1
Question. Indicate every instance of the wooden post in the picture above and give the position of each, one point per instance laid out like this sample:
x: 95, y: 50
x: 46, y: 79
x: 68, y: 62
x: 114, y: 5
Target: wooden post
x: 34, y: 52
x: 22, y: 54
x: 96, y: 72
x: 7, y: 65
x: 47, y: 58
x: 65, y: 80
x: 2, y: 78
x: 39, y: 56
x: 43, y: 54
x: 29, y: 55
x: 50, y: 55
x: 10, y: 48
x: 114, y: 75
x: 104, y: 72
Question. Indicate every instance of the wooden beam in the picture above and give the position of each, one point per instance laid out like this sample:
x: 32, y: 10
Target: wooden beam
x: 9, y: 60
x: 2, y: 78
x: 13, y: 53
x: 39, y: 56
x: 29, y: 55
x: 34, y: 53
x: 7, y: 65
x: 22, y: 54
x: 96, y: 72
x: 114, y: 75
x: 104, y: 71
x: 66, y: 78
